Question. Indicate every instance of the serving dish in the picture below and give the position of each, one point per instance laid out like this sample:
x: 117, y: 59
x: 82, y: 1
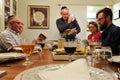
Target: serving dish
x: 60, y: 54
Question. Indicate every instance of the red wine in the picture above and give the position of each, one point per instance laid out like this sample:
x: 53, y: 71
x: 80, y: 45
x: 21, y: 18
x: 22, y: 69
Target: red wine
x: 70, y: 50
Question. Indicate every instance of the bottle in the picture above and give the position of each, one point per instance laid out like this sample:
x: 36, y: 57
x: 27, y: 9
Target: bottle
x: 61, y: 43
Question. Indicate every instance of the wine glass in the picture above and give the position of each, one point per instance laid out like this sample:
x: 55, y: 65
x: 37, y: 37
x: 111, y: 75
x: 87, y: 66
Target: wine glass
x: 70, y: 47
x: 27, y: 50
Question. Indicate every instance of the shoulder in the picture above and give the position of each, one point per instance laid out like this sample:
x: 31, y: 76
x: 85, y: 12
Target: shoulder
x: 115, y: 29
x: 89, y: 35
x: 5, y: 34
x: 59, y: 19
x: 98, y: 32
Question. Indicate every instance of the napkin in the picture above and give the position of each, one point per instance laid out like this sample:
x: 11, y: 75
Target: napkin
x: 76, y: 70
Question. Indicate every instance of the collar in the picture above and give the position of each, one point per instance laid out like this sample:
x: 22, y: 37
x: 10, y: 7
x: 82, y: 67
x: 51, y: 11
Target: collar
x: 12, y: 31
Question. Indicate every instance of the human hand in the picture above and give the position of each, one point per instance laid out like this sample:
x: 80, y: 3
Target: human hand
x: 70, y: 19
x: 67, y: 30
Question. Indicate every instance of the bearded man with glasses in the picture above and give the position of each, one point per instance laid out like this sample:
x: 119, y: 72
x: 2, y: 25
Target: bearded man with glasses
x: 10, y: 37
x: 111, y: 33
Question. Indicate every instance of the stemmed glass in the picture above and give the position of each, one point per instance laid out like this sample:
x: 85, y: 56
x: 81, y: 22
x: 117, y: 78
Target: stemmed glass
x: 27, y: 50
x: 70, y: 47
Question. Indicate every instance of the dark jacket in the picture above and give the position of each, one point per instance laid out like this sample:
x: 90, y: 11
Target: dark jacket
x: 62, y: 26
x: 111, y: 37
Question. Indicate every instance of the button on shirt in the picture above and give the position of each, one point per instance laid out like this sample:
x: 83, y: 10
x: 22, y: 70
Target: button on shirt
x: 9, y: 39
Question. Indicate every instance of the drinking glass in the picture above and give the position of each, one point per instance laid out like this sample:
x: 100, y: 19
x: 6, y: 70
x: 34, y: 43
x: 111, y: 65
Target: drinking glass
x: 94, y: 51
x: 93, y: 44
x: 27, y: 50
x: 106, y: 54
x: 70, y: 47
x: 42, y: 43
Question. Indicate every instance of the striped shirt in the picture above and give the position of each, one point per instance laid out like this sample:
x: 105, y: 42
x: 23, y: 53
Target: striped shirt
x: 9, y: 39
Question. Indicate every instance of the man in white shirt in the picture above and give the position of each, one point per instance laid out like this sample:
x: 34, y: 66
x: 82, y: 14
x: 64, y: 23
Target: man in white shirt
x: 10, y: 37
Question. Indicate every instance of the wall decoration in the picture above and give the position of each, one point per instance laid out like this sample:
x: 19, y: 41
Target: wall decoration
x: 38, y: 16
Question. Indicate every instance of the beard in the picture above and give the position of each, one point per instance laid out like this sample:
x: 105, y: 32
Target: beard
x: 103, y: 26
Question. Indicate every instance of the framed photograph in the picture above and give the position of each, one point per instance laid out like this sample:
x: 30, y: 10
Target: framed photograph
x: 38, y: 16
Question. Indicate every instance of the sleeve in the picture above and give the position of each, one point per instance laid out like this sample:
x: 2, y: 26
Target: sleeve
x: 6, y: 43
x: 62, y: 26
x: 77, y: 26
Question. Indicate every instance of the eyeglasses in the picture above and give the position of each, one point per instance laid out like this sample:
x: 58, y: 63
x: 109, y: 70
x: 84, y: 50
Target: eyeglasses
x: 99, y: 19
x: 19, y: 23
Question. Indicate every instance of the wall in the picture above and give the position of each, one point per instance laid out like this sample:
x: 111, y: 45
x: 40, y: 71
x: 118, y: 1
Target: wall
x: 1, y: 15
x: 115, y: 8
x: 77, y: 8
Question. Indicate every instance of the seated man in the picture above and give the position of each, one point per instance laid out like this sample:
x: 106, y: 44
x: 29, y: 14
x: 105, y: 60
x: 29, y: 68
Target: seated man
x: 111, y: 33
x: 11, y: 36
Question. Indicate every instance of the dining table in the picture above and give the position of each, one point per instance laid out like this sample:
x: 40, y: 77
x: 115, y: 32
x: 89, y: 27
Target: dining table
x: 15, y: 67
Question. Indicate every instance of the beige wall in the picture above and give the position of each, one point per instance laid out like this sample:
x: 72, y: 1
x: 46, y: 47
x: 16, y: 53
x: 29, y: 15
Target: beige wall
x: 116, y: 7
x: 77, y: 8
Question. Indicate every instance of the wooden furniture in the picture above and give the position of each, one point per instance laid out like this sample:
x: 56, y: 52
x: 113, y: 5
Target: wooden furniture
x: 7, y: 8
x: 16, y: 65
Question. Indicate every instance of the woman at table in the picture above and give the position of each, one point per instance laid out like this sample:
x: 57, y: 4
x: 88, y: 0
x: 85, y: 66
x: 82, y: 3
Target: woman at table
x: 95, y: 33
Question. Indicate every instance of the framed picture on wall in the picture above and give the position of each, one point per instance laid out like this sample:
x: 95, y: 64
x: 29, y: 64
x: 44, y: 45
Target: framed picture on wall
x: 38, y: 16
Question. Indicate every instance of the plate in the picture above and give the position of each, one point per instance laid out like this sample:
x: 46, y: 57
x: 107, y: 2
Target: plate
x: 10, y: 56
x: 32, y: 74
x: 115, y: 59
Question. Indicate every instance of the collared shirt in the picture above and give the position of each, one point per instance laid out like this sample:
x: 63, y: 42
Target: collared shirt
x: 9, y: 39
x: 111, y: 37
x: 62, y: 25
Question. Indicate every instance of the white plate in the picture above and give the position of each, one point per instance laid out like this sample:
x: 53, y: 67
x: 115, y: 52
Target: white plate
x: 115, y: 59
x: 10, y: 55
x: 32, y: 74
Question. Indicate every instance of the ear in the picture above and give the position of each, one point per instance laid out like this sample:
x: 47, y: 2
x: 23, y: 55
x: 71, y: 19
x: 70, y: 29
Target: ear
x: 61, y: 13
x: 108, y: 18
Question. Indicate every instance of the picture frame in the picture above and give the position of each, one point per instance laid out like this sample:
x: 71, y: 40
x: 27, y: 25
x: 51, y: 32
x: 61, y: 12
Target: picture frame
x: 38, y: 16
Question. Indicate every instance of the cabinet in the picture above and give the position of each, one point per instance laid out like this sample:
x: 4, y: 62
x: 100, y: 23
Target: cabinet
x: 9, y: 7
